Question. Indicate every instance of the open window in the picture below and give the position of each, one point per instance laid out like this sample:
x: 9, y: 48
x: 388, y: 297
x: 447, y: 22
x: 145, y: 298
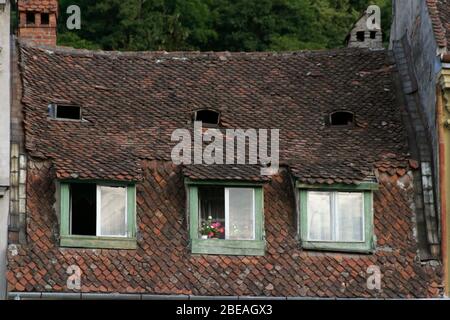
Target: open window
x: 64, y: 112
x: 97, y: 215
x: 341, y: 118
x: 30, y: 18
x: 360, y: 36
x: 45, y: 18
x: 226, y: 219
x: 207, y: 117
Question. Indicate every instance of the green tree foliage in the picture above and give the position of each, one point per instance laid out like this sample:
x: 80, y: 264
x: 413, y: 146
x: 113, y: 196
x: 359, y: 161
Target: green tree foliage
x: 234, y: 25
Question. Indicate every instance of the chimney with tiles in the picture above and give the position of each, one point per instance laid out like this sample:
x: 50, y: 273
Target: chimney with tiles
x: 38, y: 21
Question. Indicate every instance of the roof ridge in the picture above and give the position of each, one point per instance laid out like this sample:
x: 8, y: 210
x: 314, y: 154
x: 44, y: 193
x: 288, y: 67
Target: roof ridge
x: 212, y: 54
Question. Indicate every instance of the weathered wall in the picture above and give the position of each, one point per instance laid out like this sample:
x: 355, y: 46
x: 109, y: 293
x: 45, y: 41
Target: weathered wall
x: 361, y: 26
x: 411, y: 19
x: 4, y: 136
x: 162, y: 264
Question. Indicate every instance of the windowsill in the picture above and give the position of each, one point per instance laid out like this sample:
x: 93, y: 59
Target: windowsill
x: 228, y: 247
x: 98, y: 242
x: 349, y: 247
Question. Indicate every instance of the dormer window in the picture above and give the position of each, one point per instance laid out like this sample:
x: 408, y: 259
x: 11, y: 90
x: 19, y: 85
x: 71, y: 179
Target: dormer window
x: 207, y: 117
x: 64, y: 112
x: 342, y: 118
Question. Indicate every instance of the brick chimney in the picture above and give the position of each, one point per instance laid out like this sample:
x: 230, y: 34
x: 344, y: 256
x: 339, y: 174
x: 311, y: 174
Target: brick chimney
x: 38, y: 21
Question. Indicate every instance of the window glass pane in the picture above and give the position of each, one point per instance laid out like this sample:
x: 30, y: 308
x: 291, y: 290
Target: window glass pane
x: 212, y: 212
x: 350, y: 212
x: 113, y: 211
x: 240, y: 214
x: 319, y: 216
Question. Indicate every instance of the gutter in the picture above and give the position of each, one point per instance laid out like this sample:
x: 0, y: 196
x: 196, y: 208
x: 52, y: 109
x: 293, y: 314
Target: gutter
x: 138, y: 296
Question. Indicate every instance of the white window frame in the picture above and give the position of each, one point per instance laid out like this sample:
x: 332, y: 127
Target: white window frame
x: 334, y: 215
x: 227, y: 213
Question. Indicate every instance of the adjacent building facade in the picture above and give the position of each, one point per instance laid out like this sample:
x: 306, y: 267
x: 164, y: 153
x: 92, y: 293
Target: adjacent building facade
x: 423, y: 62
x: 4, y: 136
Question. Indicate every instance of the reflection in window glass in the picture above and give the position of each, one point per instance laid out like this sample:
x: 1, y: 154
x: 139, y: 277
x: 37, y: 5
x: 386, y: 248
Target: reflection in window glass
x: 350, y: 216
x: 335, y: 216
x: 113, y: 218
x: 240, y: 214
x: 319, y: 216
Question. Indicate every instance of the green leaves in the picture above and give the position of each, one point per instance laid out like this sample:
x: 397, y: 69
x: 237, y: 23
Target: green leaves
x: 234, y: 25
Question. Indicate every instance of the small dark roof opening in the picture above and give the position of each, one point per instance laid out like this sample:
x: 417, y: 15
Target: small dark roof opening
x: 45, y: 18
x: 208, y: 117
x: 65, y: 112
x: 30, y: 16
x: 360, y: 36
x: 342, y: 118
x: 373, y: 34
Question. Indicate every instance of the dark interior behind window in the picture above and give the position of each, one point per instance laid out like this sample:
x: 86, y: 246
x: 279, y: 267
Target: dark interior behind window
x: 30, y: 16
x: 207, y: 116
x: 360, y: 36
x: 68, y: 112
x: 83, y: 209
x: 212, y: 204
x: 45, y: 19
x: 342, y: 118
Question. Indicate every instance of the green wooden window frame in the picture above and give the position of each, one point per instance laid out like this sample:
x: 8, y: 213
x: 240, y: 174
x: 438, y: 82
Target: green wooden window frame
x: 97, y: 242
x: 255, y: 247
x: 366, y: 246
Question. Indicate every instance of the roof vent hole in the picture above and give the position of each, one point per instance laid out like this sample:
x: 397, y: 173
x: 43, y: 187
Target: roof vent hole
x: 208, y: 117
x: 342, y: 118
x: 65, y: 112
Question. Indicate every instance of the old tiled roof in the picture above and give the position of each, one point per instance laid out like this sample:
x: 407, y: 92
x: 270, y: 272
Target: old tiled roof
x: 224, y: 172
x: 38, y: 5
x: 163, y: 263
x: 132, y: 102
x: 440, y: 16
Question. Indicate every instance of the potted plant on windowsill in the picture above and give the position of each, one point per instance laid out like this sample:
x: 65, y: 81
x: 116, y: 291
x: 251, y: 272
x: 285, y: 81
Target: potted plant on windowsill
x: 211, y: 229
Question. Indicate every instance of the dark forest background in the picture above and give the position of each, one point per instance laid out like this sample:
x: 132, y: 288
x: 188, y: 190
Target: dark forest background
x: 217, y: 25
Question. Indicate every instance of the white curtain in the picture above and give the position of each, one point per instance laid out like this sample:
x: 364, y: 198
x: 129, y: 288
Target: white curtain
x: 319, y: 216
x: 240, y: 215
x: 113, y: 213
x: 350, y: 216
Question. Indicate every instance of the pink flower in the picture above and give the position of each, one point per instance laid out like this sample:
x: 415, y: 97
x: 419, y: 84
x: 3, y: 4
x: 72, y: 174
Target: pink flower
x: 221, y: 230
x: 211, y: 234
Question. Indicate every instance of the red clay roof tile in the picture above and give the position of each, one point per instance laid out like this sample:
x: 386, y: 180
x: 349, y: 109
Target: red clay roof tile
x: 132, y: 102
